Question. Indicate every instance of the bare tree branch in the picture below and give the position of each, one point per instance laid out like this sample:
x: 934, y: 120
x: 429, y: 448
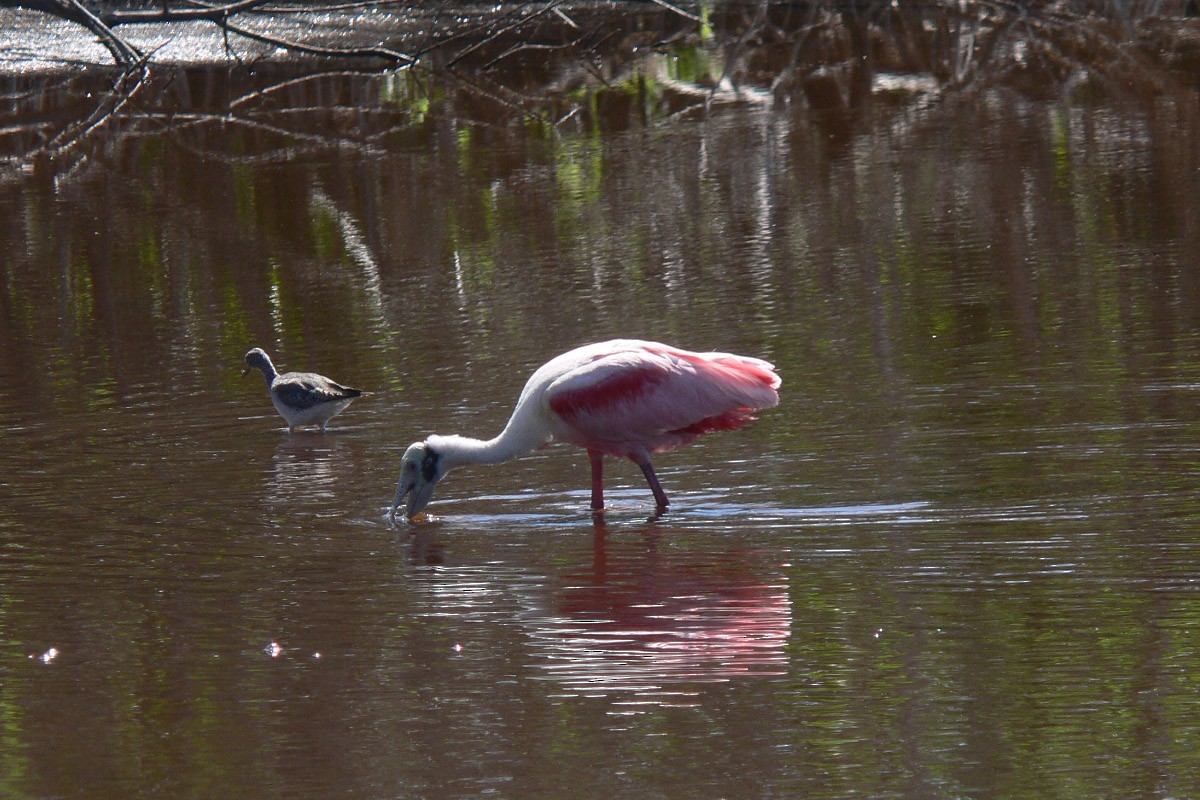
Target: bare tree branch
x: 130, y: 83
x: 972, y: 46
x: 206, y: 13
x: 501, y: 31
x: 125, y: 54
x: 522, y: 47
x: 385, y: 53
x: 265, y: 92
x: 677, y: 10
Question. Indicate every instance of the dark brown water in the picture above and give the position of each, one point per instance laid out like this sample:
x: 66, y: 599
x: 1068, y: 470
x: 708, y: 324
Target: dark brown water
x: 961, y: 559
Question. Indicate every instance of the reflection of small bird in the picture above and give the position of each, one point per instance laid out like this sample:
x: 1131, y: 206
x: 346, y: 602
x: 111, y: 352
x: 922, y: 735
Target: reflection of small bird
x: 301, y: 398
x: 622, y: 398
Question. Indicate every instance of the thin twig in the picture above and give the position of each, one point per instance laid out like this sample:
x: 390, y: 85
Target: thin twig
x: 275, y: 87
x: 521, y: 46
x: 126, y: 54
x: 72, y: 136
x: 206, y: 13
x: 339, y: 52
x: 175, y: 123
x: 558, y: 12
x: 678, y: 10
x: 464, y: 79
x: 461, y: 31
x: 498, y: 33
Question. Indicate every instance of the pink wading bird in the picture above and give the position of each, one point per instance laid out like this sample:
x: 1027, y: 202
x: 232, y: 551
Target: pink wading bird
x: 623, y: 398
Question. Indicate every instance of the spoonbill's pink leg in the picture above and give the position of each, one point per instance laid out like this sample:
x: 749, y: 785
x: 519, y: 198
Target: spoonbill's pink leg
x: 660, y: 497
x: 597, y: 479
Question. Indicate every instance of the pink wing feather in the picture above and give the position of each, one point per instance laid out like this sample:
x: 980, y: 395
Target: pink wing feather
x: 658, y: 398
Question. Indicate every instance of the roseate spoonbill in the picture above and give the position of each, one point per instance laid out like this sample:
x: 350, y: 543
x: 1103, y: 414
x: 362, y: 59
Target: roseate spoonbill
x: 623, y: 398
x: 301, y: 398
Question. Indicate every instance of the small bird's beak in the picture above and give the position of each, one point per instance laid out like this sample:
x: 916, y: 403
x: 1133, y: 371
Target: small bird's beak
x: 246, y: 371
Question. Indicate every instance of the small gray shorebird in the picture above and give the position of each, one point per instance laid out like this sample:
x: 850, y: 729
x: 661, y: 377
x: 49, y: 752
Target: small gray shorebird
x: 301, y: 398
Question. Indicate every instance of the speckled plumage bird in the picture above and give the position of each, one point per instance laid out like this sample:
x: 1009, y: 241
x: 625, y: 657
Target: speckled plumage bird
x: 301, y: 398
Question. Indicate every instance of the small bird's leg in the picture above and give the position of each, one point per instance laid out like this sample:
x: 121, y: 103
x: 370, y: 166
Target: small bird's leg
x: 597, y: 459
x: 660, y: 497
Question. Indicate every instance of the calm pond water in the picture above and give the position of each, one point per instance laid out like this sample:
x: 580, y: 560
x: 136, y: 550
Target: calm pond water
x: 961, y: 559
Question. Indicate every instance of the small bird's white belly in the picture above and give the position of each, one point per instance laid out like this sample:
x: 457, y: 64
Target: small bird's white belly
x: 315, y: 415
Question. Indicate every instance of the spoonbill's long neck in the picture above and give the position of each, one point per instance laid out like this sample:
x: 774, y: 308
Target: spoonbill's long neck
x: 522, y: 434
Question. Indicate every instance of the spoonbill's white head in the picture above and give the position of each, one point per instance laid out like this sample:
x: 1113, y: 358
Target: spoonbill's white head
x: 420, y: 470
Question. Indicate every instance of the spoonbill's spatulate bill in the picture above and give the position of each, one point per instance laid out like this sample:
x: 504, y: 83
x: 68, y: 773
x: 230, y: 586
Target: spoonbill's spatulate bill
x: 623, y: 398
x: 301, y: 398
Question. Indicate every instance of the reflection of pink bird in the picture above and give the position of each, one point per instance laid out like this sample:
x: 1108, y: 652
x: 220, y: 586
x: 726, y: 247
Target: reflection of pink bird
x: 622, y: 398
x: 641, y: 622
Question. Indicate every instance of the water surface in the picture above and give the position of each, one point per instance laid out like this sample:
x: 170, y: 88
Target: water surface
x: 960, y: 559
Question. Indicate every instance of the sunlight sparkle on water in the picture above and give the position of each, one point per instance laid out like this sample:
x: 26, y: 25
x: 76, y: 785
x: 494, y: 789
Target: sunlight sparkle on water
x: 46, y: 657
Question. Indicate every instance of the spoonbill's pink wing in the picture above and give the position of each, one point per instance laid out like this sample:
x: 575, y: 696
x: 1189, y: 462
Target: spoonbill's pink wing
x: 657, y: 398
